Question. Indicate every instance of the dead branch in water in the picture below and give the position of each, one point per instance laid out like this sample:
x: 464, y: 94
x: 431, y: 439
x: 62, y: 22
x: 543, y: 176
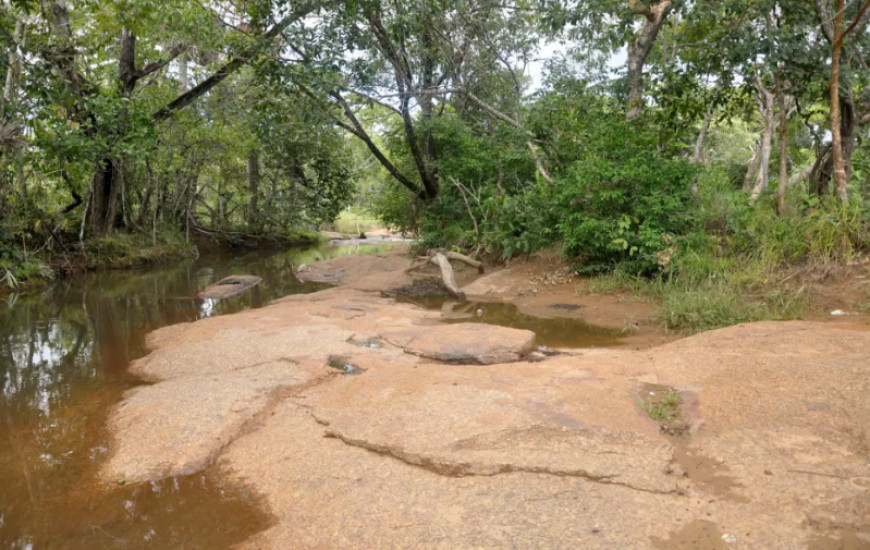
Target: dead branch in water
x: 442, y: 259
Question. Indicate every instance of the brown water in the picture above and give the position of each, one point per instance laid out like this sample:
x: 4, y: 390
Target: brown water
x: 555, y: 332
x: 64, y: 354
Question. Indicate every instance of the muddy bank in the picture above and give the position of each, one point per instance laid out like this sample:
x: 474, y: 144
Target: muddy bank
x: 545, y: 451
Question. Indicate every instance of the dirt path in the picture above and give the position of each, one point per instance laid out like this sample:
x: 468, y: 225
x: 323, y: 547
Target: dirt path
x: 332, y: 406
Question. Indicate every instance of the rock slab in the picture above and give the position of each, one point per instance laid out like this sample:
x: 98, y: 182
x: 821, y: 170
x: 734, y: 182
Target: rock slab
x: 465, y: 343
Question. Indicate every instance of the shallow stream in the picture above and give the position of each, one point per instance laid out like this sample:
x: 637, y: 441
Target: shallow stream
x: 557, y: 331
x: 64, y: 354
x: 64, y: 357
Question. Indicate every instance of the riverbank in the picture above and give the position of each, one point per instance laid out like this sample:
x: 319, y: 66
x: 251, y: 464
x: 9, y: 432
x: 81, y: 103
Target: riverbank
x: 21, y: 270
x: 364, y: 421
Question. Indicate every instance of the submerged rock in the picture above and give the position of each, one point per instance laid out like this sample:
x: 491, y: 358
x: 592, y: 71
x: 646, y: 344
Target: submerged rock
x: 230, y: 286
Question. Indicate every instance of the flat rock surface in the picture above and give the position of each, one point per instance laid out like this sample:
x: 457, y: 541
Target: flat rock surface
x: 774, y: 450
x: 354, y: 268
x: 467, y: 343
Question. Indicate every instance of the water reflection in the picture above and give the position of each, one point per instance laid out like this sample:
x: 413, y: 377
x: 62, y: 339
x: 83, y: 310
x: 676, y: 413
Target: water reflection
x: 64, y: 354
x: 557, y: 332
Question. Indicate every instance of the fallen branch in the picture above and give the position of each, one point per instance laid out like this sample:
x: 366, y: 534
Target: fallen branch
x: 418, y: 262
x: 442, y: 260
x: 447, y: 275
x: 466, y: 260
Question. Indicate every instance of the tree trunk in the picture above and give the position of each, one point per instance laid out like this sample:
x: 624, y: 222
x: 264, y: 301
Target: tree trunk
x: 145, y: 203
x: 8, y: 127
x: 823, y: 168
x: 800, y: 175
x: 253, y: 184
x: 840, y: 178
x: 222, y: 199
x: 752, y: 168
x: 425, y: 167
x: 447, y: 276
x: 783, y: 152
x: 767, y: 108
x: 19, y: 178
x: 426, y: 109
x: 702, y: 135
x: 654, y: 16
x: 270, y: 202
x: 238, y: 61
x: 12, y: 72
x: 104, y: 202
x: 356, y: 128
x: 183, y: 79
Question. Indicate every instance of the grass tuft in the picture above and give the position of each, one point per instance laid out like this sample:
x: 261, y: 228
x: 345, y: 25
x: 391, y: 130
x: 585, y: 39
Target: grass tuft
x: 660, y: 409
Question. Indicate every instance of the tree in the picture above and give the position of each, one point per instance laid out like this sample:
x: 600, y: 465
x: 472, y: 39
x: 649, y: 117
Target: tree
x: 654, y: 14
x: 109, y: 115
x: 836, y: 158
x: 412, y: 59
x: 832, y: 28
x: 611, y: 25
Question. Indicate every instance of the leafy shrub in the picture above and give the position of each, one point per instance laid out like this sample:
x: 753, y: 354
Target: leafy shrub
x: 523, y: 223
x: 623, y: 202
x: 128, y: 250
x: 445, y: 222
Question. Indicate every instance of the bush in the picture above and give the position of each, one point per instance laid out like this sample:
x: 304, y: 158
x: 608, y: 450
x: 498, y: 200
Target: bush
x: 623, y: 202
x: 522, y: 224
x: 17, y: 266
x: 122, y: 250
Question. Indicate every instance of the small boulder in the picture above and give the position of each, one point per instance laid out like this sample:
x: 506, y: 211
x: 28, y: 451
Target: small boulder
x: 465, y: 343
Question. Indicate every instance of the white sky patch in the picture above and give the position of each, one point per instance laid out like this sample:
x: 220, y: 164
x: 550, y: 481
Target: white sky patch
x: 536, y: 69
x: 552, y: 50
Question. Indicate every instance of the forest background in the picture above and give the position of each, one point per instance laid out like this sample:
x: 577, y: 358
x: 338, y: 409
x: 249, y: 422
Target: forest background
x: 710, y: 153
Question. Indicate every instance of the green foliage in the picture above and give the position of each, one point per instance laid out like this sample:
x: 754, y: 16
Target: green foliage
x: 813, y: 230
x: 444, y: 222
x: 130, y: 250
x: 18, y: 267
x: 395, y: 206
x: 622, y: 202
x: 513, y: 219
x: 749, y: 263
x: 439, y: 91
x: 523, y: 223
x: 18, y: 271
x: 723, y: 303
x: 349, y: 220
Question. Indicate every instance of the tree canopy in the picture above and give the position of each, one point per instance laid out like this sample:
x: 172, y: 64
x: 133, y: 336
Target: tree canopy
x: 266, y: 115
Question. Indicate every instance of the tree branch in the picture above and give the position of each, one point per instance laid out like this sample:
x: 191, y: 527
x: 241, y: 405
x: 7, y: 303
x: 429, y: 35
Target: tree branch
x: 825, y: 18
x: 361, y: 133
x: 376, y: 101
x: 228, y: 68
x: 177, y: 50
x: 858, y: 19
x: 492, y: 111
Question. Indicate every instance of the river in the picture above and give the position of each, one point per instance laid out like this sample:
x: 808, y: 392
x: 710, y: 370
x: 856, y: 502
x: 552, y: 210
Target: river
x: 64, y: 353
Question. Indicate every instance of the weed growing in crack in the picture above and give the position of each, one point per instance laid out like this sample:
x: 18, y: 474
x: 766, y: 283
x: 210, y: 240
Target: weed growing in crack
x: 661, y: 409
